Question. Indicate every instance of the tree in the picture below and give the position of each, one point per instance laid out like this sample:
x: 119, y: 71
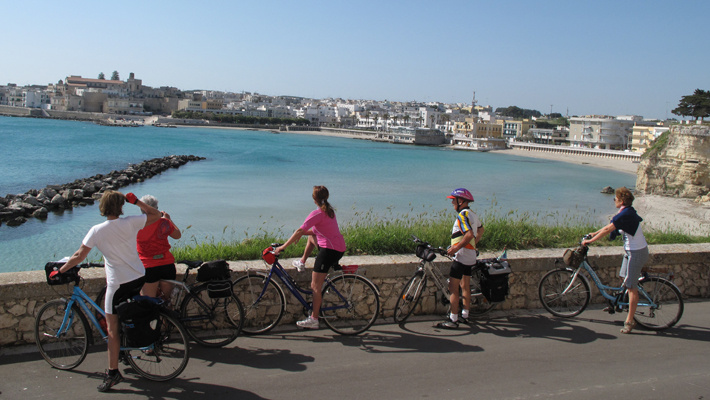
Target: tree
x: 114, y: 76
x: 102, y: 76
x: 696, y: 105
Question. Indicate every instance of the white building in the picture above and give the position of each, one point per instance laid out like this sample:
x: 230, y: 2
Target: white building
x: 600, y: 132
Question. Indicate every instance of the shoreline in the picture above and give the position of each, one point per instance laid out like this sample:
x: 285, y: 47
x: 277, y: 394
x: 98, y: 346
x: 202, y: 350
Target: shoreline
x: 659, y: 212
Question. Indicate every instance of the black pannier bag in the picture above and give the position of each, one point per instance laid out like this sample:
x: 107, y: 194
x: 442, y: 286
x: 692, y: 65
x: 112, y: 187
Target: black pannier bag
x: 219, y: 289
x: 140, y: 318
x: 62, y: 279
x: 494, y: 280
x: 213, y: 271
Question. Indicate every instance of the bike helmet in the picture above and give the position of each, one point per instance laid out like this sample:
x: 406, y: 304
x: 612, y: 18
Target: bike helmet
x: 461, y: 193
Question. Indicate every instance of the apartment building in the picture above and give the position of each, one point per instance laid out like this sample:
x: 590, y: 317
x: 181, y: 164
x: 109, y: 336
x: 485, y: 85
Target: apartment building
x: 513, y: 129
x: 606, y: 133
x: 642, y: 136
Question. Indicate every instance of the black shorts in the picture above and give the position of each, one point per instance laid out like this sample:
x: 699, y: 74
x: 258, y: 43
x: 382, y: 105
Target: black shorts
x: 326, y: 259
x: 154, y: 274
x: 458, y: 270
x: 123, y: 293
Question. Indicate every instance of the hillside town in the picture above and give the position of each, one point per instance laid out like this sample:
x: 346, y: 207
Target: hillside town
x: 463, y: 126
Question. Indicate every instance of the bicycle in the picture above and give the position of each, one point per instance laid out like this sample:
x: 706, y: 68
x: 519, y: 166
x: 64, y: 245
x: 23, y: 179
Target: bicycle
x: 63, y: 333
x: 350, y: 305
x: 412, y: 291
x: 209, y: 311
x: 565, y: 292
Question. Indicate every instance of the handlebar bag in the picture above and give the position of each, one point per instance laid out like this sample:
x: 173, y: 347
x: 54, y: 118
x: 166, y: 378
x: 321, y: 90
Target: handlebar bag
x: 62, y: 279
x: 139, y: 321
x: 213, y: 271
x: 425, y: 253
x: 574, y: 257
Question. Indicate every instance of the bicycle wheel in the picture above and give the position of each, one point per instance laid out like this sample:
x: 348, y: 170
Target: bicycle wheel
x: 211, y: 322
x: 262, y: 312
x: 569, y: 304
x: 166, y: 358
x: 479, y: 303
x: 68, y: 348
x: 409, y: 298
x: 350, y: 304
x: 669, y: 304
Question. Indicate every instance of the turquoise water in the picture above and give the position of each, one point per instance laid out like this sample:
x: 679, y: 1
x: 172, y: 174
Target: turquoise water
x: 257, y: 181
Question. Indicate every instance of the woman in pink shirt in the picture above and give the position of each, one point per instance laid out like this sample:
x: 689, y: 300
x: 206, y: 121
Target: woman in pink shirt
x: 322, y: 230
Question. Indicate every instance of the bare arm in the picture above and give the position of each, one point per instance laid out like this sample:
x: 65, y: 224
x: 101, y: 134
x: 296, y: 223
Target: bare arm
x: 76, y: 258
x: 175, y: 234
x: 152, y: 213
x: 599, y: 234
x: 293, y: 239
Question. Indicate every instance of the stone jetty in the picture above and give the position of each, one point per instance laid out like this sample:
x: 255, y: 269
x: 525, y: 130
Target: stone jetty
x: 15, y: 209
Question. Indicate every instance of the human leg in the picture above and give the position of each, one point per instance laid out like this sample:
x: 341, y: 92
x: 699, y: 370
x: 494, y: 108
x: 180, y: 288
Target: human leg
x: 466, y: 290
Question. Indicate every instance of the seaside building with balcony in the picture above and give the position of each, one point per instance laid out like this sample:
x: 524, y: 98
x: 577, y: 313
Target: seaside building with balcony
x: 600, y: 132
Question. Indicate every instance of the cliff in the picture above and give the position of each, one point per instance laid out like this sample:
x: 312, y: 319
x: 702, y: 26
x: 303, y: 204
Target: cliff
x: 677, y: 163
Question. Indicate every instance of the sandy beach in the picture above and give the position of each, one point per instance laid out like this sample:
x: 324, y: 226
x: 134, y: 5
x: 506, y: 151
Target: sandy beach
x: 658, y: 212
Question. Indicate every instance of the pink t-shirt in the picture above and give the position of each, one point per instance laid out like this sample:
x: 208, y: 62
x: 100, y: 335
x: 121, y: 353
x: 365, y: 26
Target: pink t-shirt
x: 326, y: 229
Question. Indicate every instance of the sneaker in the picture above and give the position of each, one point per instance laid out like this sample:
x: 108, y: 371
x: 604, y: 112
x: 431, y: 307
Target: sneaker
x: 110, y: 381
x: 448, y: 324
x: 463, y: 320
x: 300, y: 267
x: 309, y: 323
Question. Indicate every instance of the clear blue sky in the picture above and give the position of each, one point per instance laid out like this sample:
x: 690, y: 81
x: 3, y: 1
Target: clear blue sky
x: 588, y: 57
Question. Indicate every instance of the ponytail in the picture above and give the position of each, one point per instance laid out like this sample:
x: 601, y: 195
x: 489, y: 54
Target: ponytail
x: 320, y: 196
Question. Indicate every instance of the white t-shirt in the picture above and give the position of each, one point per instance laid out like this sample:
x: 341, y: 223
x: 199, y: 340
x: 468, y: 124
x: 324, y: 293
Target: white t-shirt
x: 116, y: 240
x: 634, y: 242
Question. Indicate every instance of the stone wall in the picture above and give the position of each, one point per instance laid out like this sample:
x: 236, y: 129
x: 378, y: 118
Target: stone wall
x: 22, y: 293
x: 681, y: 167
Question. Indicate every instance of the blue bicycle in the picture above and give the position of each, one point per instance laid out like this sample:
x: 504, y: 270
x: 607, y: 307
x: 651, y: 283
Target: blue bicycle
x: 63, y: 333
x: 564, y: 292
x: 350, y: 305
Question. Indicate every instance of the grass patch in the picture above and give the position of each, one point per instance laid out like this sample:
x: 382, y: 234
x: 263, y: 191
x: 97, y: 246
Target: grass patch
x: 371, y: 234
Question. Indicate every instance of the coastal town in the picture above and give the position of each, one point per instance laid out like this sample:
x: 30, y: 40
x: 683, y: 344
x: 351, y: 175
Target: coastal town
x: 469, y: 126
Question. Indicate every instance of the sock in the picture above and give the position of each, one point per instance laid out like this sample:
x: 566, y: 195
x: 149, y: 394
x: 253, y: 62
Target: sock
x: 464, y: 313
x: 454, y: 317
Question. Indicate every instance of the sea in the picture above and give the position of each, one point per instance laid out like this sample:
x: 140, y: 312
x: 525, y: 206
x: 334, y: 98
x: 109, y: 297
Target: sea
x: 259, y: 182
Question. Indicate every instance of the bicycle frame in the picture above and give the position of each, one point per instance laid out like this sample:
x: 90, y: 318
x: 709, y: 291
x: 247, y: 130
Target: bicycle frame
x: 297, y: 291
x: 80, y: 298
x: 643, y: 295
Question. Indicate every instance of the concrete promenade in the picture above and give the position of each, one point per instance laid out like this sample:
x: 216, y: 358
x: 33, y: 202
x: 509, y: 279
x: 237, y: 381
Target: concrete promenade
x: 514, y: 354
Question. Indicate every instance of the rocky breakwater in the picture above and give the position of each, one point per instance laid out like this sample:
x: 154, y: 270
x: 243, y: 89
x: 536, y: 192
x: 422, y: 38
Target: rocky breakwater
x: 15, y: 209
x: 677, y: 164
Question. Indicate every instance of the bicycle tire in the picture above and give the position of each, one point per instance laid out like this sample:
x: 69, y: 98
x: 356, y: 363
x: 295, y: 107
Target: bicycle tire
x: 570, y: 304
x: 260, y: 314
x: 669, y: 300
x: 70, y: 349
x: 363, y: 304
x: 479, y: 303
x: 166, y: 358
x: 409, y: 297
x: 211, y: 322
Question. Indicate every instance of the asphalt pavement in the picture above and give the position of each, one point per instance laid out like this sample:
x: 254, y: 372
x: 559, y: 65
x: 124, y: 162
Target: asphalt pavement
x: 509, y: 355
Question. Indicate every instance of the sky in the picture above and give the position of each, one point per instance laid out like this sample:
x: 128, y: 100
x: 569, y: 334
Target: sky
x: 571, y: 57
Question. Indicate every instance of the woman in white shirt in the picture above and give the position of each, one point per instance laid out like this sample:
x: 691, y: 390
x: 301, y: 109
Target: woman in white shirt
x: 627, y: 223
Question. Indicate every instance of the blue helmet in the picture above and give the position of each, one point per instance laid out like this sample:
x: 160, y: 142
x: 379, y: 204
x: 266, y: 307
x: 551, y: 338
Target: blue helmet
x: 461, y: 193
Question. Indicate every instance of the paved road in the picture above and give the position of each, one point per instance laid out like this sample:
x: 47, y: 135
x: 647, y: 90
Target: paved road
x: 513, y: 355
